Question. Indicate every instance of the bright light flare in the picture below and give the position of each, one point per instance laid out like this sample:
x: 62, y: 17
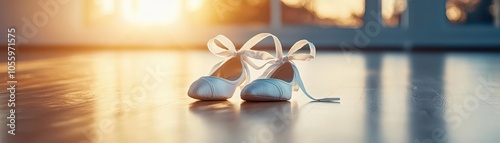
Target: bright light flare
x: 194, y: 5
x: 454, y: 13
x: 152, y: 11
x: 332, y: 9
x: 106, y: 6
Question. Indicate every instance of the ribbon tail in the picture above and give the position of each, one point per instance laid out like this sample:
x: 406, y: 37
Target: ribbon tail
x: 298, y: 81
x: 247, y: 76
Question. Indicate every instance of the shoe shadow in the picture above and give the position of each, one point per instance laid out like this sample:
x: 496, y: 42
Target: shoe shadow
x: 220, y: 120
x: 267, y: 121
x: 328, y: 102
x: 253, y: 122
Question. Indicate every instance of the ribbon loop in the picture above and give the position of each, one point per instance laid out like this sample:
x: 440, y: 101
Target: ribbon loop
x: 302, y: 57
x: 246, y: 52
x: 260, y: 55
x: 259, y: 37
x: 219, y: 51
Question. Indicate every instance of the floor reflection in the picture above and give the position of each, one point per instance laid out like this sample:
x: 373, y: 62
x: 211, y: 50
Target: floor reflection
x: 221, y: 119
x: 130, y: 97
x: 267, y: 121
x: 372, y: 94
x: 426, y: 96
x: 253, y: 122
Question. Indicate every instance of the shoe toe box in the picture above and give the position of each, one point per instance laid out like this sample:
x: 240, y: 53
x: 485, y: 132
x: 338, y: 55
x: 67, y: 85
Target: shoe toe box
x: 210, y: 88
x: 265, y: 90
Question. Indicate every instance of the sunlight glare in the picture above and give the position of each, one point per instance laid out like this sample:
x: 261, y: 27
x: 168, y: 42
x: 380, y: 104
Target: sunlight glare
x: 294, y: 3
x: 106, y: 5
x: 391, y: 8
x: 194, y: 5
x: 339, y: 9
x: 453, y: 13
x: 151, y: 11
x: 331, y: 9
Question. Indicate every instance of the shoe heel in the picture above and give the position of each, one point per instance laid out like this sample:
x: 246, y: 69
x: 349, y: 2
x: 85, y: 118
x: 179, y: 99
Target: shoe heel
x: 295, y: 86
x: 242, y: 83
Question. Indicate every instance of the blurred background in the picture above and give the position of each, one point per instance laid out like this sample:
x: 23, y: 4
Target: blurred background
x: 118, y: 71
x: 188, y: 24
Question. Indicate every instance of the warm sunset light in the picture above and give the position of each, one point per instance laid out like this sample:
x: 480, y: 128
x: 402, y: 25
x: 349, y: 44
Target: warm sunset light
x: 391, y: 8
x: 342, y: 12
x: 250, y: 71
x: 453, y: 13
x: 148, y: 11
x: 151, y: 11
x: 145, y: 11
x: 333, y: 9
x: 194, y: 5
x: 106, y: 6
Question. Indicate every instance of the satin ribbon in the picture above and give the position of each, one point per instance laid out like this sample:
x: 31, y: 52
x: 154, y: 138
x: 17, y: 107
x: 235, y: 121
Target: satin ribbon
x: 246, y: 52
x: 289, y: 57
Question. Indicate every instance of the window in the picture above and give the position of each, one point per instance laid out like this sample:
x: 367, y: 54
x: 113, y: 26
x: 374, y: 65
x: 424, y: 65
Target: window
x: 392, y: 11
x: 471, y: 11
x: 204, y: 12
x: 326, y: 13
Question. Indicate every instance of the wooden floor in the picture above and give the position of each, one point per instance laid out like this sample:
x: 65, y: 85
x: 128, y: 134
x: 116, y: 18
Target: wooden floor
x: 141, y: 97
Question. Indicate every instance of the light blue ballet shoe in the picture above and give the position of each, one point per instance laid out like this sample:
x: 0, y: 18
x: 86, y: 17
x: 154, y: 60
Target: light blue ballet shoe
x: 282, y: 77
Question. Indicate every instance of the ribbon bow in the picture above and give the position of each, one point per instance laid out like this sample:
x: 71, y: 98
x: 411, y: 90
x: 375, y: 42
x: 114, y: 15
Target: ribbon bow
x: 280, y: 58
x: 289, y: 57
x: 245, y: 53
